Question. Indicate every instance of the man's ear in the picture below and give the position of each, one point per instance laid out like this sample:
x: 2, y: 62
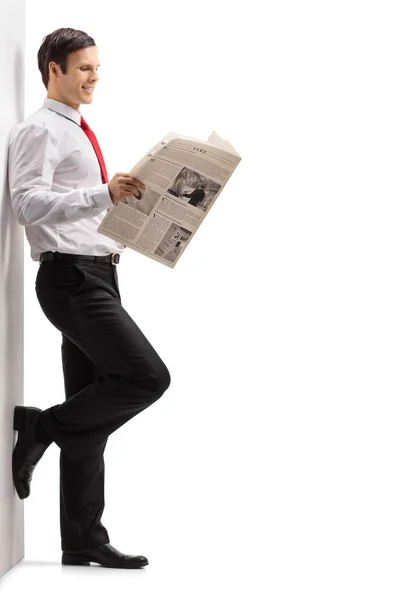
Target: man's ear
x: 54, y: 68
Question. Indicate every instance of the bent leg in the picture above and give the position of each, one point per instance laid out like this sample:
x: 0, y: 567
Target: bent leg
x: 131, y: 374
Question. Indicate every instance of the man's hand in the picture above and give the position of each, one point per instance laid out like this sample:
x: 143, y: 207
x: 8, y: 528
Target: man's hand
x: 123, y: 185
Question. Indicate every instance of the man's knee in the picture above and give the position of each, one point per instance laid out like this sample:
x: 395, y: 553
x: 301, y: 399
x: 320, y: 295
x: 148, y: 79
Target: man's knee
x: 157, y: 380
x: 160, y: 380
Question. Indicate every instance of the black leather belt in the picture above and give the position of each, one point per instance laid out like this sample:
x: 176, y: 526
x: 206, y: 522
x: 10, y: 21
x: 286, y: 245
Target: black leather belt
x: 110, y: 258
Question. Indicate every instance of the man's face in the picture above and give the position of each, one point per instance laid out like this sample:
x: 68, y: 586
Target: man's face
x: 81, y: 73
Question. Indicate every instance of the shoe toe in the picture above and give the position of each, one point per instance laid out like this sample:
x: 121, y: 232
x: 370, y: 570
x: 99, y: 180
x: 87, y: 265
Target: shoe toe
x: 140, y: 561
x: 23, y: 487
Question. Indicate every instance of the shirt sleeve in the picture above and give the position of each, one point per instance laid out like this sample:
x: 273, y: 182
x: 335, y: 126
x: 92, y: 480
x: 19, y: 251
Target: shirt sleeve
x: 32, y: 159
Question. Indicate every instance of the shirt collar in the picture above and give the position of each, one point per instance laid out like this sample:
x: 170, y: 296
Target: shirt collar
x: 63, y: 109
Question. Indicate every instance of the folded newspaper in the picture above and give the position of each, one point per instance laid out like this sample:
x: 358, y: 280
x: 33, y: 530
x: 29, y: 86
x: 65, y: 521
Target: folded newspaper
x: 183, y: 178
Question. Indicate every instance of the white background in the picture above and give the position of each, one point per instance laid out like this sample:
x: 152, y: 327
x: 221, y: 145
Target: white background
x: 270, y: 467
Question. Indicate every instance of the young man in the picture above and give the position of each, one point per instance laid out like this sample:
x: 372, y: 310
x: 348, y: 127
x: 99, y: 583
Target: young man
x: 59, y: 192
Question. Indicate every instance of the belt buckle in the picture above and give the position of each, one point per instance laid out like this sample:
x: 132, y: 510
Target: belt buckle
x: 116, y: 256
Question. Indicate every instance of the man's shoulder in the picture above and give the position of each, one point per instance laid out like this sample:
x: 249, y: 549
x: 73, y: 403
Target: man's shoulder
x: 39, y: 120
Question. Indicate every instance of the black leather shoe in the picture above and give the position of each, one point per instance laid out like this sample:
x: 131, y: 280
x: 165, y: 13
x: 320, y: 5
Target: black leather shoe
x: 106, y: 555
x: 28, y: 450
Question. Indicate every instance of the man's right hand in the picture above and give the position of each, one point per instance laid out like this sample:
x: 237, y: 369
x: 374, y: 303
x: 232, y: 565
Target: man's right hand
x: 123, y: 185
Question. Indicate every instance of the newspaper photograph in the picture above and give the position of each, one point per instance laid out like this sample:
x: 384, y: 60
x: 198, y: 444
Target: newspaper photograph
x: 183, y: 178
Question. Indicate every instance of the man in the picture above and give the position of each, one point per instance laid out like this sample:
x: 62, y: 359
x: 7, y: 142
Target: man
x: 197, y: 195
x: 59, y: 192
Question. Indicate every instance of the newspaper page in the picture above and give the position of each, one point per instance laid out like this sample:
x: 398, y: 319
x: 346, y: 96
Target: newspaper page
x: 183, y: 178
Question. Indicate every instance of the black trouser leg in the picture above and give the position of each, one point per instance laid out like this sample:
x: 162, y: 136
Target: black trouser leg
x: 81, y: 482
x: 82, y: 300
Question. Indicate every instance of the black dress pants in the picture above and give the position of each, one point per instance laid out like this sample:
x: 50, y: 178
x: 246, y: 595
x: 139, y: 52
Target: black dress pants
x: 111, y: 373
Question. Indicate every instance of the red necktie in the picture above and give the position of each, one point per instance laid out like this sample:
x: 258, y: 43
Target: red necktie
x: 95, y: 144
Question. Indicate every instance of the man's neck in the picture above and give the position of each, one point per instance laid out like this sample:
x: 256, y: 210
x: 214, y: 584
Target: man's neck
x: 52, y: 96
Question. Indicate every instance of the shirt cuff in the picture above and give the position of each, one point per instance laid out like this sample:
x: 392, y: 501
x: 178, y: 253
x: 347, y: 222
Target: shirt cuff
x: 101, y: 196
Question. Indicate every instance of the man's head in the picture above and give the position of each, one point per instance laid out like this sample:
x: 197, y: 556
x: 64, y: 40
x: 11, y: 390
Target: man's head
x: 68, y: 61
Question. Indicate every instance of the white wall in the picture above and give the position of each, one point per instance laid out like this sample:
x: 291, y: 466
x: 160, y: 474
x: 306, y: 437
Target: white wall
x: 12, y: 69
x: 270, y: 468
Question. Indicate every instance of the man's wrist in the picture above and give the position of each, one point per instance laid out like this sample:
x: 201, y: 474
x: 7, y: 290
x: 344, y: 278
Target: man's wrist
x: 111, y: 194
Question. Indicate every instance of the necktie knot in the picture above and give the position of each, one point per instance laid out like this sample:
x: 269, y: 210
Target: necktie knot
x: 84, y: 125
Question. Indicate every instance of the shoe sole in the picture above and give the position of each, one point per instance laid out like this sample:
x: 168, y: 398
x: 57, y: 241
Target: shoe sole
x: 18, y: 418
x: 18, y: 423
x: 80, y: 561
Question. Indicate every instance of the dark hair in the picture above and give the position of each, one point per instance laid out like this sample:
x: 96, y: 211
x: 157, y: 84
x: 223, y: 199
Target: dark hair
x: 57, y: 46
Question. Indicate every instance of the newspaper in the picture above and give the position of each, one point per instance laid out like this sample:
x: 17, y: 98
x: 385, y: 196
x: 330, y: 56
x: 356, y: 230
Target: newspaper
x: 183, y: 178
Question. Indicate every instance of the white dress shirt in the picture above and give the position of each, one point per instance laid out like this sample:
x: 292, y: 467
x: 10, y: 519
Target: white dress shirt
x: 55, y: 184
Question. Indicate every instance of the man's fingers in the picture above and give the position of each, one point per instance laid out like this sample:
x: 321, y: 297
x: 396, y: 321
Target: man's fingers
x: 133, y: 192
x: 132, y: 180
x: 138, y: 183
